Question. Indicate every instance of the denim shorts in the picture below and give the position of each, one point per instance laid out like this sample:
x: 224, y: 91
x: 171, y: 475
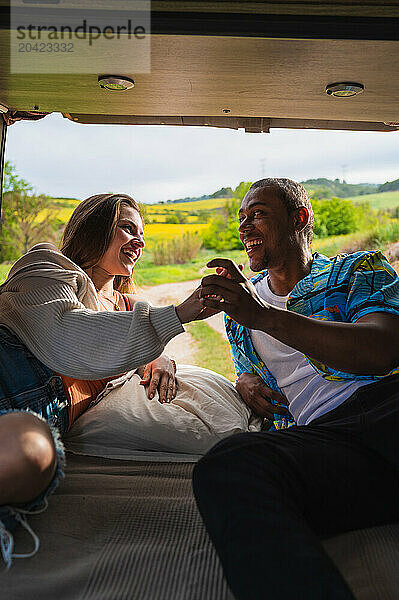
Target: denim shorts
x: 26, y: 384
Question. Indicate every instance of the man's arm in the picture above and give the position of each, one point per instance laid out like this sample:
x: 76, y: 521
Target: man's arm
x: 370, y: 346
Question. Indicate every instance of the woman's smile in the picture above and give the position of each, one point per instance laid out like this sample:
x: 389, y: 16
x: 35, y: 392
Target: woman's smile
x: 127, y: 245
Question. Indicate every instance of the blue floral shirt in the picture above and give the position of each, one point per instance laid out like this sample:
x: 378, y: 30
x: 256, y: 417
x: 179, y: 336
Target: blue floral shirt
x: 341, y: 289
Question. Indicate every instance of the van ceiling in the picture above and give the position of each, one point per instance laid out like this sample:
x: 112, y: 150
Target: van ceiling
x: 268, y: 63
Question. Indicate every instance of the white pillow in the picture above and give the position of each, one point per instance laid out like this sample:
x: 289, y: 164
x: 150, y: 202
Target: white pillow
x: 206, y: 409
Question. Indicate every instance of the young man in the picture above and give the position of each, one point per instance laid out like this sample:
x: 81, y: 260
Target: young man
x: 315, y: 340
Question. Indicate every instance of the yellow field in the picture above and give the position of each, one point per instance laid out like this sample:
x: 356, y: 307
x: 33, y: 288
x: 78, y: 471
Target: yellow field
x: 161, y: 231
x: 154, y: 232
x: 61, y: 212
x: 210, y: 204
x: 153, y: 211
x: 160, y: 217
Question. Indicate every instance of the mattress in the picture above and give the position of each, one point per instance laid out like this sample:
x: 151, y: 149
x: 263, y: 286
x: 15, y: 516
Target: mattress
x: 127, y: 530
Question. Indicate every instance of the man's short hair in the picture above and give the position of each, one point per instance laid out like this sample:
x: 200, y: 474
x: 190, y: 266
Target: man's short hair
x: 292, y: 194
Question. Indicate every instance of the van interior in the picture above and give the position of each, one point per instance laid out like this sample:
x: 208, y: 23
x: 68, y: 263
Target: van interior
x: 130, y: 529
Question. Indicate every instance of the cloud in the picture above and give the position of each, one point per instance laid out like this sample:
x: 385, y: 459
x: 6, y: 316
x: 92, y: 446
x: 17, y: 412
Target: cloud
x: 153, y: 163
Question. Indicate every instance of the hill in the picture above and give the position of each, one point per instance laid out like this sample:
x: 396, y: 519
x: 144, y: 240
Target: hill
x: 329, y: 188
x: 389, y: 186
x: 225, y: 192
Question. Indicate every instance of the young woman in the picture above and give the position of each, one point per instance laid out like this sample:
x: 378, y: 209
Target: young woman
x: 52, y: 321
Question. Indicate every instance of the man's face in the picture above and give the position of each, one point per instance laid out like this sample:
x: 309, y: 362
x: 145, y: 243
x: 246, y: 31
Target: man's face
x: 266, y: 229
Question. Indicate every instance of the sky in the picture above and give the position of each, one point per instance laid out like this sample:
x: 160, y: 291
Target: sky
x: 156, y: 163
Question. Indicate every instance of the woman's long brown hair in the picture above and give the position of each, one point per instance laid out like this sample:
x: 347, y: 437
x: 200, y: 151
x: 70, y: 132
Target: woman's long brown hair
x: 90, y: 230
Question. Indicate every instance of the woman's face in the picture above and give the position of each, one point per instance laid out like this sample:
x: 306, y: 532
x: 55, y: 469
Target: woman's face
x: 127, y: 244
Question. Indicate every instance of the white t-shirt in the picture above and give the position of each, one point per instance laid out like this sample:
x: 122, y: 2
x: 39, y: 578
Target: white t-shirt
x: 308, y: 393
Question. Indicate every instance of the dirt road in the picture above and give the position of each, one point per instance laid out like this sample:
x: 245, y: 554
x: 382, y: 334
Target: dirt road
x: 182, y: 348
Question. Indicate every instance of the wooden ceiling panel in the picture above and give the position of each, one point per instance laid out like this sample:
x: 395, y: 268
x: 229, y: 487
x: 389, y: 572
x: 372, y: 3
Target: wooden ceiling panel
x: 202, y: 76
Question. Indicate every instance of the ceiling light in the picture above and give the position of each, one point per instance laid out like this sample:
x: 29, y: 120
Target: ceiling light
x: 3, y: 109
x: 116, y: 83
x: 344, y: 89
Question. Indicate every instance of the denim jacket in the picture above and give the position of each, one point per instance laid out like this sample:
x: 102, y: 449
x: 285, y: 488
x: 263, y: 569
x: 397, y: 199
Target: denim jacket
x: 341, y: 289
x: 27, y: 384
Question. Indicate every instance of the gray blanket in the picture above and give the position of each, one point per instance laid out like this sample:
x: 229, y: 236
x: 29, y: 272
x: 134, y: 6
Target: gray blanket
x: 119, y: 530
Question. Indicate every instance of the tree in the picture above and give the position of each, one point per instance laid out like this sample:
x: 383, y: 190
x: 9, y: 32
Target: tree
x: 26, y: 218
x: 225, y: 192
x: 12, y: 182
x: 241, y: 189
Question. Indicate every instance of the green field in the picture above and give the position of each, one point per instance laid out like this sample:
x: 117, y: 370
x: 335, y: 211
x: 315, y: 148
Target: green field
x: 378, y: 201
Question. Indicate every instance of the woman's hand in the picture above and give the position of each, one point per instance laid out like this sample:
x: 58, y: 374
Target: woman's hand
x: 160, y: 375
x: 193, y: 309
x: 257, y: 396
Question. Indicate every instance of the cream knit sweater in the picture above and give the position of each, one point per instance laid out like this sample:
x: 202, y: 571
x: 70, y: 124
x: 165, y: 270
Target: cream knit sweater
x: 51, y: 305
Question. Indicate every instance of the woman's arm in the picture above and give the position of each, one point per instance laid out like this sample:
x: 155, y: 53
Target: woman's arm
x: 44, y: 303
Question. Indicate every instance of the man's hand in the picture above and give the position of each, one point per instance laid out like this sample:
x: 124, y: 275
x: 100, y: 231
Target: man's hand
x: 160, y: 375
x: 257, y: 395
x: 233, y: 293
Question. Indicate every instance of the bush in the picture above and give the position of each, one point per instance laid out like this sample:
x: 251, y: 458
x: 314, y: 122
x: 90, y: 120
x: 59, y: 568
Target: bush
x: 176, y: 217
x: 337, y: 216
x: 222, y: 233
x: 177, y: 251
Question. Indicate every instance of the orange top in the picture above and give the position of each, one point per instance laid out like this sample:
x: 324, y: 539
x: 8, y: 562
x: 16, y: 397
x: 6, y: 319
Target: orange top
x: 80, y: 392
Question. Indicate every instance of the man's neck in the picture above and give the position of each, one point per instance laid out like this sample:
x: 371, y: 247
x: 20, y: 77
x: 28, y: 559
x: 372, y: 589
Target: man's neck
x: 283, y: 279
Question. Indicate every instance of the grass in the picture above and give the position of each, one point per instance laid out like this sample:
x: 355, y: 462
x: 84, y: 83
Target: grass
x: 380, y: 201
x: 213, y: 350
x: 334, y: 244
x: 146, y: 273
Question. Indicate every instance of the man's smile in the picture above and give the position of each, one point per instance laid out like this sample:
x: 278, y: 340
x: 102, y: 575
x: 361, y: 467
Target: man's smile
x: 251, y: 245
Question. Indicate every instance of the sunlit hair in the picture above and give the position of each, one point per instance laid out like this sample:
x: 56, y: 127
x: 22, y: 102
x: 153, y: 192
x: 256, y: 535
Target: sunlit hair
x: 293, y: 195
x: 91, y: 229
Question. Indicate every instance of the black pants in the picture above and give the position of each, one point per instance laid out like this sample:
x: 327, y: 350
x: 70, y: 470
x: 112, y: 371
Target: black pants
x: 268, y: 498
